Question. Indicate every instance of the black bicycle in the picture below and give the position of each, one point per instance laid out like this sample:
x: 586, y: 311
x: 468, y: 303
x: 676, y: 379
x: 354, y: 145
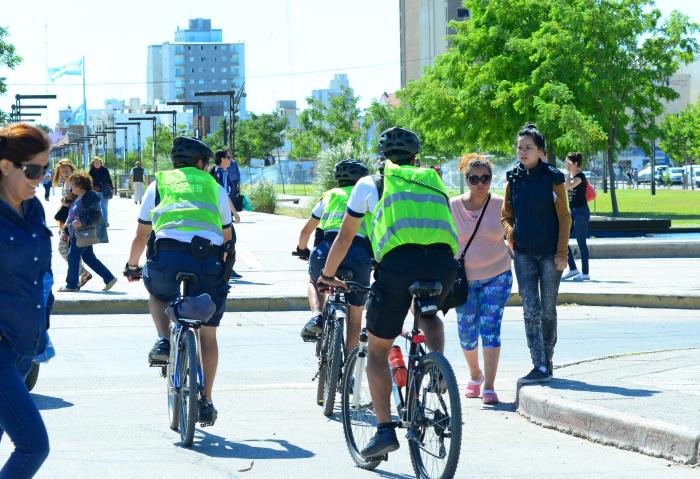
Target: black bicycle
x: 330, y: 346
x: 184, y: 373
x: 428, y: 407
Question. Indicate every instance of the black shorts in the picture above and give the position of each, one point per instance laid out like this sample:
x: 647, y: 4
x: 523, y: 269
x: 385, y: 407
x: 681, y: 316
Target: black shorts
x: 356, y: 260
x: 389, y: 299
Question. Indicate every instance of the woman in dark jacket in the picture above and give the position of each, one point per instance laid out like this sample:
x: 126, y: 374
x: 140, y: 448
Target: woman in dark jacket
x: 536, y: 219
x: 101, y: 184
x: 25, y: 292
x: 85, y: 211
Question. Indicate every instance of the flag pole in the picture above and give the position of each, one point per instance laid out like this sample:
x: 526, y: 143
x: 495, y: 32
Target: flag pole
x: 85, y: 122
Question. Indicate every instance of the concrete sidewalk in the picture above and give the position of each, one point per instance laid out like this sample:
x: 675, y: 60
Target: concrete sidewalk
x: 646, y: 402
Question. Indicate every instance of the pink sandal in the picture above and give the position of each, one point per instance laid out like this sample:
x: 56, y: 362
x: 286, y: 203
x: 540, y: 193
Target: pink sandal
x: 489, y: 397
x: 474, y: 388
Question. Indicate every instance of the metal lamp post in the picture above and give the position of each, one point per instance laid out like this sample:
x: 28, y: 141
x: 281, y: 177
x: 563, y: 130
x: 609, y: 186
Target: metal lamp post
x: 126, y: 144
x: 152, y: 119
x: 198, y: 104
x: 166, y: 112
x: 234, y: 99
x: 138, y: 133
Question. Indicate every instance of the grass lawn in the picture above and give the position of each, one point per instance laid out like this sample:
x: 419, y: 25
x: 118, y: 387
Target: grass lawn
x: 682, y: 207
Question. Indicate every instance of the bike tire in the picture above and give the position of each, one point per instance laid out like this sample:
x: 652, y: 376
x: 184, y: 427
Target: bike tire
x: 359, y: 421
x: 436, y: 418
x: 322, y: 345
x: 189, y: 387
x: 32, y: 376
x: 335, y: 361
x: 173, y: 394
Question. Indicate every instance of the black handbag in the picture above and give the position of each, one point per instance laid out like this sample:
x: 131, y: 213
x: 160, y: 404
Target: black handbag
x: 460, y: 289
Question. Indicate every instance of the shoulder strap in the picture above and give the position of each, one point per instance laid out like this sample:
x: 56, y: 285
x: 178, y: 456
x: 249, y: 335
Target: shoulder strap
x: 156, y: 201
x: 481, y: 216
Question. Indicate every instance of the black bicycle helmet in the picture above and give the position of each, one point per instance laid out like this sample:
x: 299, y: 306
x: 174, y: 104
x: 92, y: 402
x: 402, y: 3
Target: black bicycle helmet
x: 349, y: 171
x: 398, y: 144
x: 186, y: 151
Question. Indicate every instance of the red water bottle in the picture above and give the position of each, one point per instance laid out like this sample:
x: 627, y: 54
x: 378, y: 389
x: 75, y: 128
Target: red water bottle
x: 398, y: 366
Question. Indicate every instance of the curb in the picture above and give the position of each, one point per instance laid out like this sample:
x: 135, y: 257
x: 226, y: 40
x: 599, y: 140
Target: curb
x: 300, y: 303
x: 626, y: 431
x: 655, y: 249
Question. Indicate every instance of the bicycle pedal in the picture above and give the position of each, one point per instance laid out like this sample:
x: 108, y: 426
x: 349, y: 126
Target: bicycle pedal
x: 383, y: 457
x: 206, y: 424
x: 157, y: 364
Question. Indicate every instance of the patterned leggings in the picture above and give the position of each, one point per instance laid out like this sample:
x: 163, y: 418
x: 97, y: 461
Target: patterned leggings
x: 483, y: 311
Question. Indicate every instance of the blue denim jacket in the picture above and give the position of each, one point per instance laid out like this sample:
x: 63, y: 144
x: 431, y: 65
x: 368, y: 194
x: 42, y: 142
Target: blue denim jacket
x: 25, y: 277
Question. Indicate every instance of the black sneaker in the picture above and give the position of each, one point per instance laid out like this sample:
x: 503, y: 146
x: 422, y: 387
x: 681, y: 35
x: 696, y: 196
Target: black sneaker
x: 535, y: 376
x: 207, y: 413
x: 550, y: 368
x: 382, y: 443
x: 312, y: 328
x: 159, y: 353
x: 235, y: 275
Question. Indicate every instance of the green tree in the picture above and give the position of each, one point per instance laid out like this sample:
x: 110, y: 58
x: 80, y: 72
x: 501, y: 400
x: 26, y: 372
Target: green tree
x: 306, y: 143
x: 258, y: 136
x: 681, y: 136
x: 586, y: 71
x: 164, y: 143
x: 9, y: 59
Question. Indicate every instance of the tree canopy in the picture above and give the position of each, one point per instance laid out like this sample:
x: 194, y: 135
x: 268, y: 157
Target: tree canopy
x: 9, y: 59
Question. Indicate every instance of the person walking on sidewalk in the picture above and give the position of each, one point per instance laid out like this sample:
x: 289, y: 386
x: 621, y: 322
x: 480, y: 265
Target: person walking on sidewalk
x: 102, y: 185
x: 84, y: 211
x: 576, y: 184
x: 489, y: 278
x: 25, y: 293
x: 137, y: 175
x: 48, y: 177
x: 537, y: 221
x: 220, y: 172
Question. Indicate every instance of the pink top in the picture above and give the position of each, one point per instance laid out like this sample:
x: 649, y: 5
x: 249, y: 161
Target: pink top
x: 488, y: 254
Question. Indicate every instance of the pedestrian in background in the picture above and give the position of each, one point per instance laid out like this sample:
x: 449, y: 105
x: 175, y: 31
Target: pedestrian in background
x: 137, y: 175
x: 487, y: 265
x: 48, y: 178
x: 25, y: 292
x: 575, y: 184
x: 537, y: 221
x: 102, y: 185
x: 85, y: 211
x: 223, y: 162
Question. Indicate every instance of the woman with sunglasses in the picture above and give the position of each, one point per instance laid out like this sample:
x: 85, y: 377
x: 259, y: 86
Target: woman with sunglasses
x: 25, y: 292
x: 487, y: 266
x: 536, y: 218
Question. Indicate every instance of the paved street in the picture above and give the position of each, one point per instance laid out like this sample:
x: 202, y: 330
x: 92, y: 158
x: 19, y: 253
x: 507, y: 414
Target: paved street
x: 106, y: 411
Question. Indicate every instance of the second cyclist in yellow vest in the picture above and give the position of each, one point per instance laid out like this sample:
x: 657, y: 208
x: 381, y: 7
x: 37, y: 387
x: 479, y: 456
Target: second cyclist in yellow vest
x: 189, y: 213
x: 327, y: 215
x: 413, y: 238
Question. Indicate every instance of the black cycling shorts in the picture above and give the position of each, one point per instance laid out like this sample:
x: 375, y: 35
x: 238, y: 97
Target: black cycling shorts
x: 389, y: 300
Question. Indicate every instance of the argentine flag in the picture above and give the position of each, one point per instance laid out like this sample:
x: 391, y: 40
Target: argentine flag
x: 73, y: 68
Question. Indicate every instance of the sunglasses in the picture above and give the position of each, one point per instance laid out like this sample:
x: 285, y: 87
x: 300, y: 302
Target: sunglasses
x: 474, y: 179
x: 31, y: 171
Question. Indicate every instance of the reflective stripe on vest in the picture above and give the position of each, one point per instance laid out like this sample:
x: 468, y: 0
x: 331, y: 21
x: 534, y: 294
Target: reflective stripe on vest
x: 336, y: 202
x: 189, y: 201
x: 408, y: 213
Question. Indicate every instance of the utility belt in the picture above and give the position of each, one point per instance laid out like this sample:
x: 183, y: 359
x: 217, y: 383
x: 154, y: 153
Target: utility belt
x: 420, y: 248
x: 199, y: 247
x: 357, y: 240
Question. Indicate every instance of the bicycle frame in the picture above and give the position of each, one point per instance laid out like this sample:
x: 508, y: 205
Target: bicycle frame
x: 177, y: 330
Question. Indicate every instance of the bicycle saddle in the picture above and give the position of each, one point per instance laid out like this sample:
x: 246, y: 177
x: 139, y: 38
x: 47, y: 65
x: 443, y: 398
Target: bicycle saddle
x: 425, y: 289
x: 193, y: 308
x: 344, y: 274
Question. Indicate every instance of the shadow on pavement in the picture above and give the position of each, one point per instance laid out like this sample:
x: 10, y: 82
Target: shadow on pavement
x: 501, y: 406
x: 242, y: 282
x: 105, y: 293
x: 581, y: 386
x: 217, y: 446
x: 596, y: 281
x: 45, y: 403
x: 392, y: 475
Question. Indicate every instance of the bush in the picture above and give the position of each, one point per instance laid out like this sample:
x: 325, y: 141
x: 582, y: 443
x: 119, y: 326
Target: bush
x: 327, y: 159
x: 263, y: 198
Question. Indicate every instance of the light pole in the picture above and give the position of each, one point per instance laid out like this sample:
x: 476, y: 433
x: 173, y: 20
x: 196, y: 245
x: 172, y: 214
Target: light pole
x: 124, y: 129
x: 18, y: 102
x: 166, y: 112
x: 153, y: 125
x: 198, y: 104
x: 234, y: 99
x: 16, y: 112
x: 138, y: 134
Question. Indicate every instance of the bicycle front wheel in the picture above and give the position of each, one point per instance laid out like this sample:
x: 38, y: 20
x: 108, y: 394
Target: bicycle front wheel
x: 359, y: 421
x: 435, y: 419
x: 335, y: 361
x: 188, y: 387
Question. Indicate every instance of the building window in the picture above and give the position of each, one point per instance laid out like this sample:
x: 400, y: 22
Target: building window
x: 214, y: 47
x: 224, y: 81
x: 213, y: 81
x: 213, y: 69
x: 224, y: 69
x: 201, y: 81
x: 189, y: 47
x: 224, y: 47
x: 202, y: 58
x: 191, y: 81
x: 201, y: 47
x: 191, y: 70
x: 191, y: 59
x: 223, y: 59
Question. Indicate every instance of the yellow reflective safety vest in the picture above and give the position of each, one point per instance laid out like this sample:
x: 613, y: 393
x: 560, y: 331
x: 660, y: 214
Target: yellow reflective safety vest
x: 189, y: 201
x: 336, y: 202
x: 410, y: 213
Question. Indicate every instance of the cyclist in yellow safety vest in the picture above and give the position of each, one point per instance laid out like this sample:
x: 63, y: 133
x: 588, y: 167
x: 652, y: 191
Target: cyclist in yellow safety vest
x: 413, y: 238
x: 186, y: 215
x: 328, y: 215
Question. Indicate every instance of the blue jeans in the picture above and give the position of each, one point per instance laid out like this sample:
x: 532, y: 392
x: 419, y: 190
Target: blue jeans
x: 356, y: 260
x: 20, y: 418
x: 103, y: 205
x: 579, y: 227
x: 75, y: 254
x: 538, y: 282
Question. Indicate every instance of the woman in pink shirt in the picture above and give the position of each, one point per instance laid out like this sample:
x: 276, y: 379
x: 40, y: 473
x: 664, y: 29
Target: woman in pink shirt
x: 487, y: 265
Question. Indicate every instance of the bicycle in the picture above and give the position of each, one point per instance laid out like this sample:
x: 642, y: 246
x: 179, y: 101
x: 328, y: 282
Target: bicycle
x: 330, y: 348
x: 429, y: 408
x: 184, y: 373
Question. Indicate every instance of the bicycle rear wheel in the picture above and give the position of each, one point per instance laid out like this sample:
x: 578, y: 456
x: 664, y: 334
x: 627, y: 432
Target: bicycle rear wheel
x: 359, y: 421
x: 335, y: 361
x: 435, y: 429
x: 189, y: 387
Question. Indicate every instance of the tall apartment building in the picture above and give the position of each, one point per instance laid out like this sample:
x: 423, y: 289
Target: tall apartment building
x: 337, y: 84
x: 424, y: 26
x: 198, y: 60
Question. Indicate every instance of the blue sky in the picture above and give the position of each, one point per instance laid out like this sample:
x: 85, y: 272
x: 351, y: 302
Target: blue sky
x: 292, y: 46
